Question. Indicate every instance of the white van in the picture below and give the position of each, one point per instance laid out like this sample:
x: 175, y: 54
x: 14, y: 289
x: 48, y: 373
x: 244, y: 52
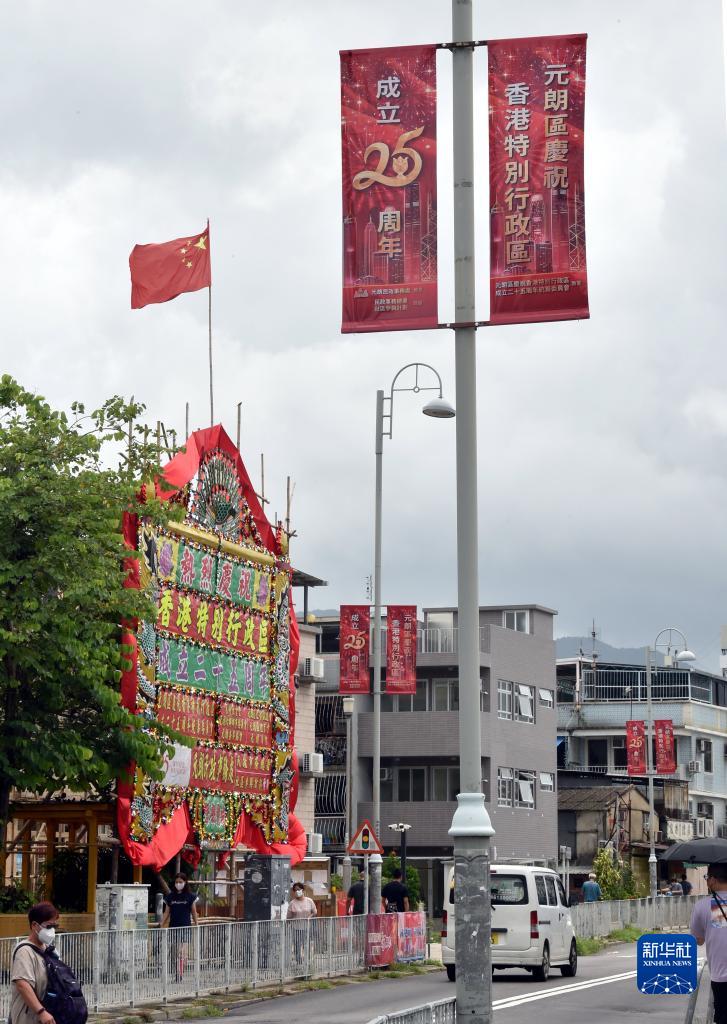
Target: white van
x: 532, y: 926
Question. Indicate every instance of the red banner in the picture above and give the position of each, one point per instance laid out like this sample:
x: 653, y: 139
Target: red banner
x: 411, y: 939
x: 190, y: 713
x: 354, y: 648
x: 635, y: 748
x: 537, y: 231
x: 401, y: 648
x: 193, y: 617
x: 231, y: 770
x: 244, y: 726
x: 381, y: 939
x: 388, y: 126
x: 664, y: 743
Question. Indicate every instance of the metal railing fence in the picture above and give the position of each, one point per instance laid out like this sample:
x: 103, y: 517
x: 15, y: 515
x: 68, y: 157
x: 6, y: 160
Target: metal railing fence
x: 444, y: 1011
x: 131, y: 968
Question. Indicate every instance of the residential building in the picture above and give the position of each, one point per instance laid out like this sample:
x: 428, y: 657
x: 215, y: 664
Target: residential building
x: 595, y: 700
x: 420, y: 742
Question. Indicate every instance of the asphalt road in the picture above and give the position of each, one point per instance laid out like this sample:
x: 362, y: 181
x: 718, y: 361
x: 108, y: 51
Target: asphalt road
x: 603, y: 991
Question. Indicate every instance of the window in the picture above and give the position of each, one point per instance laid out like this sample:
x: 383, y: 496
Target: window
x: 547, y: 782
x: 597, y: 754
x: 705, y: 810
x: 540, y: 889
x: 550, y: 886
x: 619, y: 751
x: 387, y: 702
x: 504, y: 787
x: 545, y: 698
x: 445, y: 783
x: 386, y: 786
x: 508, y: 889
x: 524, y: 709
x: 412, y: 784
x: 445, y: 695
x: 524, y: 789
x: 561, y: 892
x: 485, y: 697
x: 414, y: 701
x: 704, y: 748
x: 517, y: 620
x: 504, y: 699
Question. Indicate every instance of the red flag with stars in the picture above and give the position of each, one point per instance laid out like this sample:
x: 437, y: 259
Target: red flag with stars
x: 161, y: 272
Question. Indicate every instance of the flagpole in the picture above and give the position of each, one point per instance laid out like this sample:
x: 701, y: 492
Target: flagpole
x: 209, y: 322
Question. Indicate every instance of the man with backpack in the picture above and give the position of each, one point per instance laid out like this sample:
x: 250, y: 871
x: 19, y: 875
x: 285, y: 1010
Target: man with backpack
x: 395, y: 895
x: 44, y: 990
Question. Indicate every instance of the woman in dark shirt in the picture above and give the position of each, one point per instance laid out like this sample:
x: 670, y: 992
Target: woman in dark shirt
x: 180, y: 914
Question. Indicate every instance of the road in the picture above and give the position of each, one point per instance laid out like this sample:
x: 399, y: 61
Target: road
x: 603, y: 991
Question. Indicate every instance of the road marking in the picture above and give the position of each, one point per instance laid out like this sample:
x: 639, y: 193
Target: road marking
x: 579, y: 986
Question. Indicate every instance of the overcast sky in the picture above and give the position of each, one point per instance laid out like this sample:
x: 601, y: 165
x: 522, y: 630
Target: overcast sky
x: 602, y: 444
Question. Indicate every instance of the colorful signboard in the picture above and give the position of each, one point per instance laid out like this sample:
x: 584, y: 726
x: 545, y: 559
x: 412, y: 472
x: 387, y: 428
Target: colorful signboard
x: 388, y: 126
x: 537, y: 228
x: 411, y: 937
x: 381, y: 939
x: 354, y: 633
x: 401, y: 648
x: 214, y: 664
x: 635, y: 748
x: 666, y: 965
x: 664, y: 745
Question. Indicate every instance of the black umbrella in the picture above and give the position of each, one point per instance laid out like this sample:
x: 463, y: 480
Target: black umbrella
x: 698, y: 851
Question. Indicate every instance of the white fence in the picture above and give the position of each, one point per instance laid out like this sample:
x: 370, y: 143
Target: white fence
x: 126, y: 968
x: 598, y: 919
x: 442, y: 1012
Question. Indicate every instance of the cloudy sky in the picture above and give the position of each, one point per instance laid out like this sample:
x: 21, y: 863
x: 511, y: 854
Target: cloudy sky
x: 602, y: 444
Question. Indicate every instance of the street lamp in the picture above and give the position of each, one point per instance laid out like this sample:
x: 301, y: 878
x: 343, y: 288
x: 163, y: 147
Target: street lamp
x: 684, y: 655
x: 438, y: 408
x: 348, y: 704
x: 402, y: 829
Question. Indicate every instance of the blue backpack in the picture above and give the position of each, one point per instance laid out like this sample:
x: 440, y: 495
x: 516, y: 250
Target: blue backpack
x: 63, y: 997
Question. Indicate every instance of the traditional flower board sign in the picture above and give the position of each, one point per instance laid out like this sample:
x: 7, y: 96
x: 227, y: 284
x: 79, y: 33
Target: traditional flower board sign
x: 215, y: 665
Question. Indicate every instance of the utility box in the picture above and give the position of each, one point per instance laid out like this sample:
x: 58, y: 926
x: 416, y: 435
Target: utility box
x: 266, y: 884
x: 122, y: 907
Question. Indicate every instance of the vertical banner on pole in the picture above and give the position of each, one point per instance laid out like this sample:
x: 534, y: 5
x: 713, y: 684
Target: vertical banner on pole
x: 537, y: 230
x: 664, y: 742
x: 401, y: 648
x: 388, y: 126
x: 354, y: 649
x: 635, y: 748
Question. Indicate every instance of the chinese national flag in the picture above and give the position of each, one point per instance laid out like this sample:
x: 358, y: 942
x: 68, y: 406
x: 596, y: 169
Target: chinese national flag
x: 161, y: 272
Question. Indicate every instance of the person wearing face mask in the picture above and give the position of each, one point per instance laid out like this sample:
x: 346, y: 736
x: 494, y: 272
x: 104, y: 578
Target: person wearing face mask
x: 29, y: 976
x: 300, y: 909
x: 180, y: 913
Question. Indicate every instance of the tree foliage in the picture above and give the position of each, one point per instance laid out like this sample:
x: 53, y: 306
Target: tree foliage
x: 64, y: 483
x: 615, y: 878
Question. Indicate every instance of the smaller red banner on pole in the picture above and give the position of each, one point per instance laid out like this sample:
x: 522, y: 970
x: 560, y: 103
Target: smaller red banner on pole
x: 636, y: 748
x: 664, y: 742
x: 354, y: 648
x: 401, y: 648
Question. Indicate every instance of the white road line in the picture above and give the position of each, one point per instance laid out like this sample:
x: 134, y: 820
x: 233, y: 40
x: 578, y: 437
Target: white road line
x: 504, y: 1004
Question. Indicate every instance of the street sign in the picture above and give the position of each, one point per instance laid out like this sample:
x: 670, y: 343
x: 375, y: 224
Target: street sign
x: 666, y: 964
x: 365, y: 841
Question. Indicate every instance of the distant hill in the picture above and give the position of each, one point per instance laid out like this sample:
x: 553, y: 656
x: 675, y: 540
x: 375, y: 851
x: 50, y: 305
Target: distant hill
x: 571, y: 646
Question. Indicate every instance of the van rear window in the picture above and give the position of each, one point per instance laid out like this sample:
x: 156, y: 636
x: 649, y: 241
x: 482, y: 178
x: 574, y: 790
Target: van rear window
x: 508, y: 889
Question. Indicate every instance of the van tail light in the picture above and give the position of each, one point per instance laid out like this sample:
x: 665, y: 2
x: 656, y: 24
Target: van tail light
x: 534, y: 933
x: 444, y: 924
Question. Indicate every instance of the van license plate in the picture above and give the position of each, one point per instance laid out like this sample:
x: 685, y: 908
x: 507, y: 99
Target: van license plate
x: 495, y: 938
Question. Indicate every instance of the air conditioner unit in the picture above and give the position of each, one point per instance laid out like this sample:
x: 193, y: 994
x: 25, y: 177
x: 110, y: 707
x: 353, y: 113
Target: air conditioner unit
x: 313, y: 668
x: 694, y: 766
x: 708, y: 828
x: 700, y: 828
x: 311, y: 764
x: 315, y: 843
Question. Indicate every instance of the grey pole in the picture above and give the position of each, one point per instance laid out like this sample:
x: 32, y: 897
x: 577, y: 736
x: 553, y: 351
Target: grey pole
x: 375, y: 859
x: 471, y: 826
x: 650, y: 774
x: 347, y: 857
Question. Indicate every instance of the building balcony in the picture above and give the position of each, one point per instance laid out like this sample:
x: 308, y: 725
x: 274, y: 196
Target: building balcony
x: 629, y: 685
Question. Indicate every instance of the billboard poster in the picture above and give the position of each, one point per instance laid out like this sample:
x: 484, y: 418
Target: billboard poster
x: 664, y: 743
x: 381, y: 939
x: 537, y: 227
x: 354, y: 648
x: 635, y: 748
x: 411, y: 941
x: 388, y: 127
x: 401, y: 648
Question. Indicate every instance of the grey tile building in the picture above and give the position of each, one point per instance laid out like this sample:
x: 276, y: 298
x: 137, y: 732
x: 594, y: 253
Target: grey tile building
x: 420, y: 742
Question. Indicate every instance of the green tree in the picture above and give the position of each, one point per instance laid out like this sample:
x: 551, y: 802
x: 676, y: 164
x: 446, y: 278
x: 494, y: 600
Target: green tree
x: 63, y: 488
x: 615, y: 878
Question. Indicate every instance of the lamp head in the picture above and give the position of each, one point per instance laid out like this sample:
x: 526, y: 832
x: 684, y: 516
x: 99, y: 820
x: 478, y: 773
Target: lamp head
x: 439, y: 409
x: 686, y: 655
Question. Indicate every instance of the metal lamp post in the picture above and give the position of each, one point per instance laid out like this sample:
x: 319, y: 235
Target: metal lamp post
x: 683, y: 655
x: 348, y: 704
x: 402, y: 828
x: 438, y: 408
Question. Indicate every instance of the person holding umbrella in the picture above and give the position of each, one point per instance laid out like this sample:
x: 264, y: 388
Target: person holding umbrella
x: 709, y: 928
